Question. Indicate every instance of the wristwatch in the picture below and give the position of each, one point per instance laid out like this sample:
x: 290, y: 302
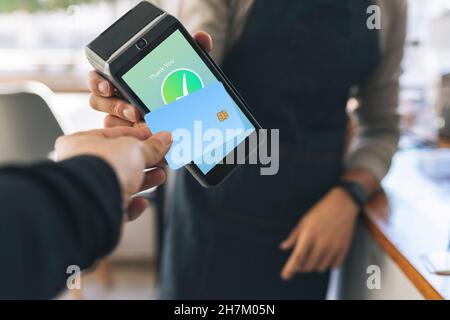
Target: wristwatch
x: 356, y: 191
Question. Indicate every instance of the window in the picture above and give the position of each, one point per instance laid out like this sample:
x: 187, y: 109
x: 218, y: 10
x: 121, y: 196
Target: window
x: 426, y: 61
x: 45, y: 39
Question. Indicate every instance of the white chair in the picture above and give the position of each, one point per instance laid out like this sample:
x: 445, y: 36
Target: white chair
x: 28, y: 128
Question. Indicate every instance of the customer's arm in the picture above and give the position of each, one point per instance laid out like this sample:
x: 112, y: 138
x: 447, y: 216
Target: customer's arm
x: 54, y: 215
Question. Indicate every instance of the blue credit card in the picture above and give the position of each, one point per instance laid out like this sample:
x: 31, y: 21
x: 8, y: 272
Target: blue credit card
x: 200, y: 123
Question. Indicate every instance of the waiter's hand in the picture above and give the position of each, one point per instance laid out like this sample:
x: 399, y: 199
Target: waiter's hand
x: 322, y: 238
x: 129, y: 151
x: 120, y: 112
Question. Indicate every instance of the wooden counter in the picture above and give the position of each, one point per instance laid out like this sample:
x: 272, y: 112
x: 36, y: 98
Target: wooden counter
x: 412, y: 216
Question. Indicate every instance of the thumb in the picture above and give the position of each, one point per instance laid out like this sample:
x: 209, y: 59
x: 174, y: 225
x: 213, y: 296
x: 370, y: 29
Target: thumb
x: 156, y: 148
x: 204, y: 40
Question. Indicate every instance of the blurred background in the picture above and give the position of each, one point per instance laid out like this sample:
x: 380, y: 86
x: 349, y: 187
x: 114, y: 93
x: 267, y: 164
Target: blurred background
x: 43, y: 41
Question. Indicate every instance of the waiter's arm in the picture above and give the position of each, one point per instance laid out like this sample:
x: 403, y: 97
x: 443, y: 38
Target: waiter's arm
x: 212, y: 16
x: 323, y: 236
x: 371, y: 152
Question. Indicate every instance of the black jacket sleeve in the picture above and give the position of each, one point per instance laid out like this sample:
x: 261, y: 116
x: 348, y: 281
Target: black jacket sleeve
x: 55, y: 215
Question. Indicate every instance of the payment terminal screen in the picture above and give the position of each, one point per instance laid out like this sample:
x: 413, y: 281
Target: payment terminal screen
x: 182, y: 93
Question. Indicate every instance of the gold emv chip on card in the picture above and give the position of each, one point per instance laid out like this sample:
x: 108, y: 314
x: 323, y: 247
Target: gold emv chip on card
x: 223, y: 115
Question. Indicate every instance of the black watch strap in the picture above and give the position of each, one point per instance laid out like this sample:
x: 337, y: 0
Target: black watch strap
x: 356, y: 192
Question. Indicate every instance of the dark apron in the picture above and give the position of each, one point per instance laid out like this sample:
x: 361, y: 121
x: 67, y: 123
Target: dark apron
x: 295, y: 65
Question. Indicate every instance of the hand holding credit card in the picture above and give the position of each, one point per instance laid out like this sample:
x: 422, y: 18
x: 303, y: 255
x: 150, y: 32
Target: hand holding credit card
x: 208, y: 110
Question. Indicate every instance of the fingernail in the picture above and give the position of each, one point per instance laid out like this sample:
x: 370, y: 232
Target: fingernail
x: 129, y: 114
x: 103, y: 87
x: 165, y: 138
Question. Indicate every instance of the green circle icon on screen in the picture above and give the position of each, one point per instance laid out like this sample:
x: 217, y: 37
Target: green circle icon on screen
x: 180, y: 83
